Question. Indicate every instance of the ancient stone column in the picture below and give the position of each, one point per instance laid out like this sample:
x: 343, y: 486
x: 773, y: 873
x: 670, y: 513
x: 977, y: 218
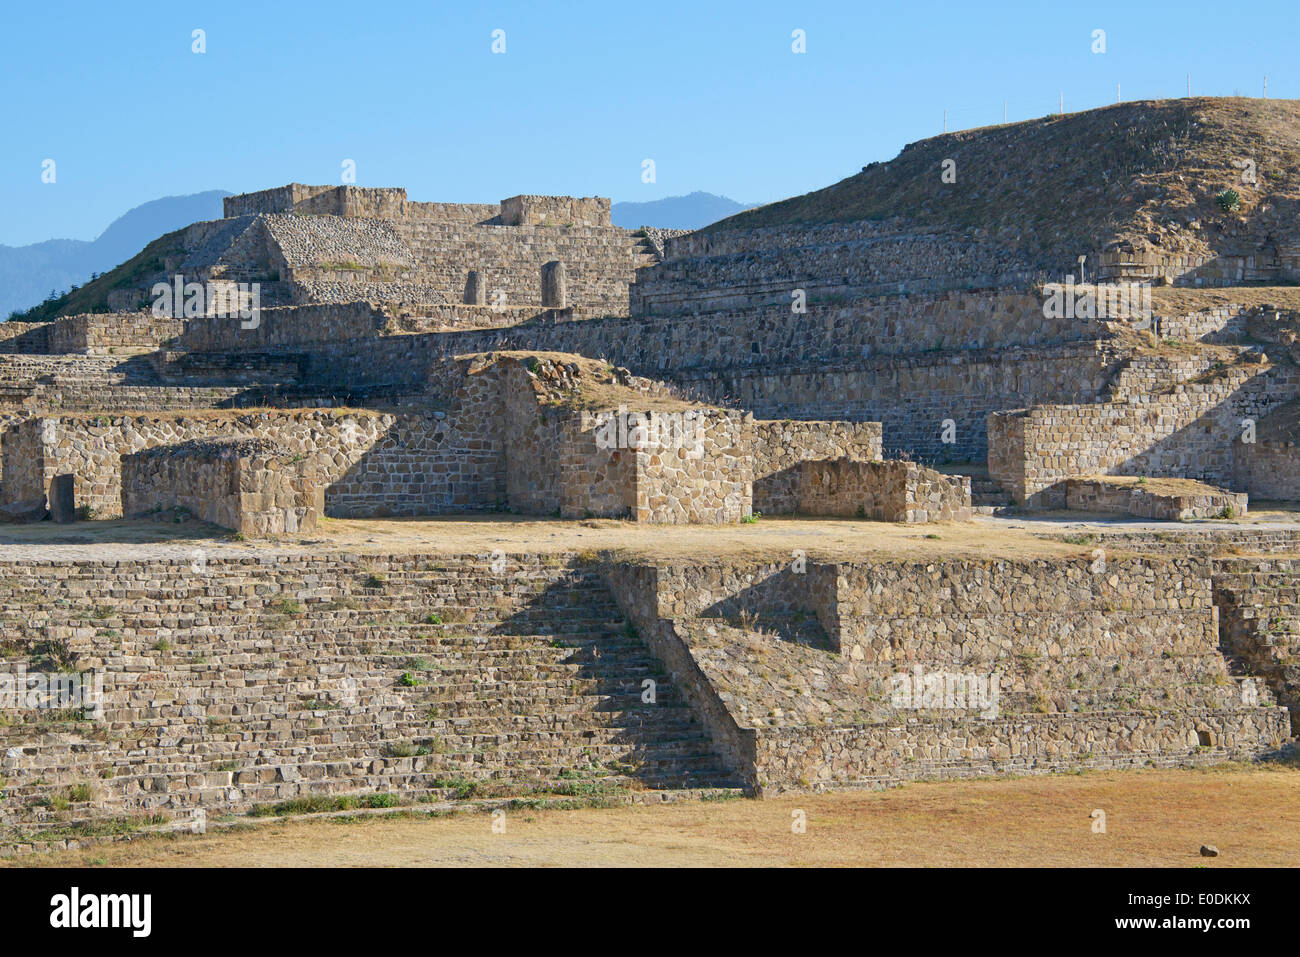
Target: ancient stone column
x: 554, y: 286
x: 63, y: 499
x: 475, y: 289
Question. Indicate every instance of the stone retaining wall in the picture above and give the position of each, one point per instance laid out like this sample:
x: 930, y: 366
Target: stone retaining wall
x: 885, y: 491
x: 780, y: 445
x: 1107, y: 666
x: 1083, y: 495
x: 1267, y: 469
x: 107, y: 333
x: 250, y: 486
x: 1188, y: 432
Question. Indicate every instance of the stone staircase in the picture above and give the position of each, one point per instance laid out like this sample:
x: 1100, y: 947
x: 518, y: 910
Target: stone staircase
x: 1259, y: 607
x: 430, y: 685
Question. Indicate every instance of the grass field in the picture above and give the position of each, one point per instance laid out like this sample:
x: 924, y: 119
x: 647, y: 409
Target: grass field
x: 1153, y: 818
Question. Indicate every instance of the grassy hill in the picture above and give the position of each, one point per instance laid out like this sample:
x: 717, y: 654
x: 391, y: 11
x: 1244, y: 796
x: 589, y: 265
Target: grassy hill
x: 93, y: 296
x: 1146, y: 172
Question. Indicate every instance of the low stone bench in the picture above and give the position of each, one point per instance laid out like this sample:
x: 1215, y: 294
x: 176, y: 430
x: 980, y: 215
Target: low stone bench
x: 251, y: 486
x: 1168, y: 500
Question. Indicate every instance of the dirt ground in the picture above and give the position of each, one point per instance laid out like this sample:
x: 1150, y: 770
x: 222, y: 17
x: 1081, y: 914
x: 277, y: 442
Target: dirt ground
x: 1152, y: 818
x: 772, y: 538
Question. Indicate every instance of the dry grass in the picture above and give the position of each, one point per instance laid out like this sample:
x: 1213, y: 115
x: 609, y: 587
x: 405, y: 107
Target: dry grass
x: 1153, y: 818
x: 1155, y: 485
x: 1179, y: 300
x: 1142, y: 171
x: 768, y: 538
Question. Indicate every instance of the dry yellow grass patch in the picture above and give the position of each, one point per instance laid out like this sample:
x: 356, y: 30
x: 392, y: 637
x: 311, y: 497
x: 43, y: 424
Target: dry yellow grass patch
x: 1153, y: 818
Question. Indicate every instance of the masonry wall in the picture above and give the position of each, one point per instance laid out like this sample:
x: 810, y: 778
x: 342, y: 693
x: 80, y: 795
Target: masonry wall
x: 595, y: 481
x: 1186, y: 433
x: 555, y: 211
x: 1094, y: 496
x: 105, y: 333
x: 250, y: 486
x: 778, y: 446
x: 708, y: 478
x: 746, y: 267
x: 1101, y: 668
x: 799, y: 370
x: 599, y: 261
x: 371, y: 464
x: 1267, y: 469
x: 885, y: 491
x: 24, y: 337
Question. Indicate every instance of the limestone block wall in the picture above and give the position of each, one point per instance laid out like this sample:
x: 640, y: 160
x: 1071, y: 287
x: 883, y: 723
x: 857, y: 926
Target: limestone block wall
x: 890, y: 491
x: 708, y: 478
x: 104, y: 333
x: 370, y: 464
x: 555, y: 211
x: 1101, y: 496
x: 745, y: 267
x: 777, y: 446
x: 25, y: 337
x: 251, y: 486
x: 1267, y: 469
x: 1186, y: 433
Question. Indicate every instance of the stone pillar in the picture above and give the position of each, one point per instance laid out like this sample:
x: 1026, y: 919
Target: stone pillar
x: 475, y: 289
x: 63, y: 499
x: 554, y: 286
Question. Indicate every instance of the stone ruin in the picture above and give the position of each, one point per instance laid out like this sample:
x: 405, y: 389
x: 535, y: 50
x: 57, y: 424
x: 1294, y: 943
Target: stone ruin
x: 357, y: 355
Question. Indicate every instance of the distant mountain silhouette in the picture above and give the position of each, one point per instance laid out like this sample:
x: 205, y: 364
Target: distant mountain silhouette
x: 677, y: 212
x: 28, y: 273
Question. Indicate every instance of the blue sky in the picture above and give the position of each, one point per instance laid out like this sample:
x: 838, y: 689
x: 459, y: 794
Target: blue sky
x: 585, y: 91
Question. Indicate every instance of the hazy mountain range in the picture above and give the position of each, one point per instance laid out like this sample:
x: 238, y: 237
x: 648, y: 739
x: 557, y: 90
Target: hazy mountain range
x: 29, y: 273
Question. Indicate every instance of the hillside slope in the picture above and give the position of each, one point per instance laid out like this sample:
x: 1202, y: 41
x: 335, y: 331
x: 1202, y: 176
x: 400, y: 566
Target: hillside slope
x: 1145, y: 172
x: 29, y: 273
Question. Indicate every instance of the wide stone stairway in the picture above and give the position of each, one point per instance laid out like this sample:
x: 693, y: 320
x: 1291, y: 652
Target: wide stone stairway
x: 228, y: 689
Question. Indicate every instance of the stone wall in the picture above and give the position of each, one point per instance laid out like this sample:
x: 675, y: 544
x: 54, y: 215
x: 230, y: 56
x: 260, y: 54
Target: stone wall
x: 1188, y: 432
x: 779, y: 445
x: 25, y: 337
x: 793, y: 368
x: 1101, y: 495
x: 1117, y: 666
x: 555, y: 211
x: 370, y: 464
x: 706, y: 478
x: 723, y: 269
x: 1267, y: 469
x: 884, y: 491
x: 232, y: 682
x: 107, y: 333
x: 284, y: 327
x: 250, y: 486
